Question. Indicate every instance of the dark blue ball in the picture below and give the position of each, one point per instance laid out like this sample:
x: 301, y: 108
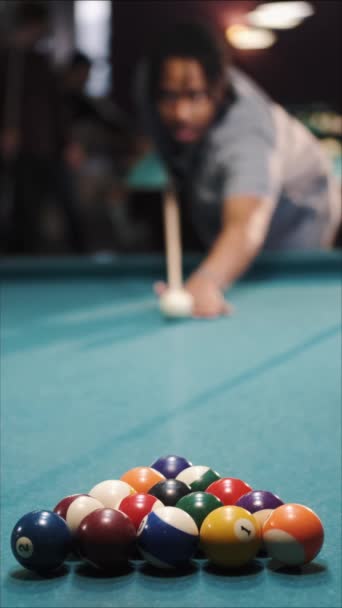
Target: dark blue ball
x: 171, y: 466
x: 41, y: 540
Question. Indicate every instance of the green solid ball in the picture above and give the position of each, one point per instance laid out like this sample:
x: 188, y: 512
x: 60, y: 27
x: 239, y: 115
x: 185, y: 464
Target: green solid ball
x: 199, y: 505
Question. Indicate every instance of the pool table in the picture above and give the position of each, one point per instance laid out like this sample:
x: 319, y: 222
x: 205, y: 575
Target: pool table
x: 94, y: 382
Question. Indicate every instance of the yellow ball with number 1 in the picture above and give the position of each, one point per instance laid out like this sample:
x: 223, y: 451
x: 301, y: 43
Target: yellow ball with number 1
x: 230, y: 537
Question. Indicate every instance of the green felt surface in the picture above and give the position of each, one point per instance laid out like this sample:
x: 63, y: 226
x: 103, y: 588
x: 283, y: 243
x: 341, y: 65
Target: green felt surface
x: 94, y: 382
x: 148, y: 173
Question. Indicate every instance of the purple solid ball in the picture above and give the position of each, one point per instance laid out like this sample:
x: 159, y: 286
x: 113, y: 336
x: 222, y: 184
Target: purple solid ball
x: 258, y: 500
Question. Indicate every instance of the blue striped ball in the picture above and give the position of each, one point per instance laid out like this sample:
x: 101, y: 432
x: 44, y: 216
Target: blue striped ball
x: 168, y: 537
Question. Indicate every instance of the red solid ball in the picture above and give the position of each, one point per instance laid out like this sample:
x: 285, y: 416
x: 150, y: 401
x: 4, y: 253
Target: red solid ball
x: 229, y: 489
x: 106, y: 539
x: 137, y: 506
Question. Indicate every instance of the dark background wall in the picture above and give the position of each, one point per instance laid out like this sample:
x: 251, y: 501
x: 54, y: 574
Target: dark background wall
x: 303, y: 67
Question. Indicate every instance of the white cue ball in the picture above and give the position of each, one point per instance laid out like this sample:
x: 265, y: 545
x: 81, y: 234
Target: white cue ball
x: 111, y: 492
x: 176, y: 303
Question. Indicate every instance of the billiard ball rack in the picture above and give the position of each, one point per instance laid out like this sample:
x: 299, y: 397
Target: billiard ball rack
x: 168, y: 514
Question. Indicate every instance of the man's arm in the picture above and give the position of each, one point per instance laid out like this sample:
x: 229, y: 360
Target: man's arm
x: 245, y: 223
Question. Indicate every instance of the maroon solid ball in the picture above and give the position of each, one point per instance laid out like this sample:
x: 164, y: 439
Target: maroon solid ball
x: 64, y: 504
x: 106, y: 538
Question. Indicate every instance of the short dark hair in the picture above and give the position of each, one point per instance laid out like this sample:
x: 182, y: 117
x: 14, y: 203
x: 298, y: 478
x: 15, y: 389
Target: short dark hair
x: 188, y: 40
x: 79, y: 59
x: 30, y: 12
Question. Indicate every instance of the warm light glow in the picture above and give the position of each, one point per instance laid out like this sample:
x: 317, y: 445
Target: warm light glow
x: 248, y: 38
x: 280, y: 15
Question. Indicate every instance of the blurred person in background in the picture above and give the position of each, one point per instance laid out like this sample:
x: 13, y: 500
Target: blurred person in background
x: 104, y: 146
x: 97, y: 126
x: 75, y: 76
x: 33, y: 135
x: 248, y: 176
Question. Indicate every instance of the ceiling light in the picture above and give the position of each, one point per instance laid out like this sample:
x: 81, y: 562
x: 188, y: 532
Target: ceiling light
x: 280, y: 15
x: 248, y: 38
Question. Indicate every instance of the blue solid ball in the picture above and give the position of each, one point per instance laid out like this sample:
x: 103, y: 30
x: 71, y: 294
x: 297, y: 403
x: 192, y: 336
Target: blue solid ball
x: 170, y: 466
x: 41, y: 540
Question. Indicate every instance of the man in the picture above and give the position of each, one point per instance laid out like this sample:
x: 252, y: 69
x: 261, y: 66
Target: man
x: 75, y: 77
x: 248, y: 176
x: 33, y: 133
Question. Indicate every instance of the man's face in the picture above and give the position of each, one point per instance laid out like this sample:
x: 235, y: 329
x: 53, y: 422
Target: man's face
x: 185, y: 103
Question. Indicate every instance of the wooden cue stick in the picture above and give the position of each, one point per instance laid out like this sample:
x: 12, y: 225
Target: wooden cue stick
x: 172, y: 241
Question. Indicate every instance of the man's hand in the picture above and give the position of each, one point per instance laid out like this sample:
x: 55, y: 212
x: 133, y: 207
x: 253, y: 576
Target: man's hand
x: 208, y: 299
